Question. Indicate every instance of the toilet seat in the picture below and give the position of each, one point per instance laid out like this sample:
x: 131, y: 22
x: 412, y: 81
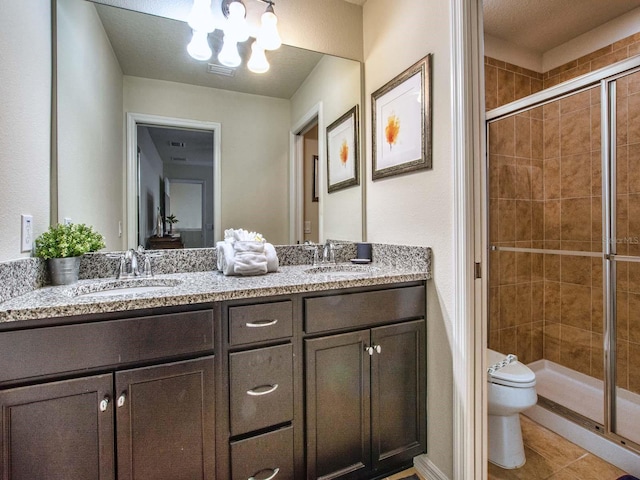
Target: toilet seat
x: 514, y: 374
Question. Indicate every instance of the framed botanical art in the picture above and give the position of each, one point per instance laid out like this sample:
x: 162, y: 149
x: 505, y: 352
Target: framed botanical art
x: 342, y: 152
x: 401, y: 122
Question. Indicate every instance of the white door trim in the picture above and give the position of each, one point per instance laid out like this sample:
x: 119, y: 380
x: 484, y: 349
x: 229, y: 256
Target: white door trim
x: 469, y: 331
x: 296, y: 190
x: 131, y: 168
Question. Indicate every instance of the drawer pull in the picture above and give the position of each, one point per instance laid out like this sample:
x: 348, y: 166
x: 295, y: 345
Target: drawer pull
x: 258, y: 391
x: 262, y: 323
x: 270, y: 477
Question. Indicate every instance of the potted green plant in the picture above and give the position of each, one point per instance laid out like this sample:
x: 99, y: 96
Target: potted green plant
x: 171, y: 219
x: 63, y: 245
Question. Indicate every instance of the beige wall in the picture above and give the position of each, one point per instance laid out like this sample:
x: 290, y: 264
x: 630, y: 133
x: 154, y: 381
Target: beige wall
x: 25, y: 103
x: 336, y: 82
x: 254, y: 142
x: 90, y: 188
x: 418, y: 208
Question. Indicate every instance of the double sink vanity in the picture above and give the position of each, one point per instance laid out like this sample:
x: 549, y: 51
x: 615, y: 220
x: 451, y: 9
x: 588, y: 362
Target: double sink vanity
x: 308, y: 372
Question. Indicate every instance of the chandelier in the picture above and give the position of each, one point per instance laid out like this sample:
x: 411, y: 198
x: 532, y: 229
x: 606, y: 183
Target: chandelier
x: 235, y: 30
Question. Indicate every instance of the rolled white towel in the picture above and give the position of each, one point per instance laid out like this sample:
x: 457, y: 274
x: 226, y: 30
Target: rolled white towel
x: 227, y: 259
x: 272, y: 258
x: 219, y: 254
x: 250, y: 258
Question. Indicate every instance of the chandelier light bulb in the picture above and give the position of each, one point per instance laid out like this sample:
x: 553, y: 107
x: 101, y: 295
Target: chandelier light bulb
x: 258, y: 62
x: 268, y: 36
x: 201, y: 18
x: 229, y: 56
x: 198, y: 48
x: 236, y: 25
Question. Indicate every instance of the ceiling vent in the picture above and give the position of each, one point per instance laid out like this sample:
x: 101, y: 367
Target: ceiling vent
x: 178, y: 159
x: 220, y: 70
x: 173, y: 143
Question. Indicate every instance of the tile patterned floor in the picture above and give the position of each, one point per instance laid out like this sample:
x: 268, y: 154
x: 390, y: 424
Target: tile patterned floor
x: 404, y: 473
x: 551, y: 457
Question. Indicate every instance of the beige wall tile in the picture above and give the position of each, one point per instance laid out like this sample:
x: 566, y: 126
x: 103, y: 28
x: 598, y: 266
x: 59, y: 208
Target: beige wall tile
x: 508, y: 312
x: 491, y: 87
x: 576, y: 175
x: 575, y: 132
x: 575, y: 219
x: 506, y: 87
x: 551, y: 177
x: 576, y: 270
x: 552, y: 305
x: 575, y: 348
x: 551, y: 138
x: 575, y: 306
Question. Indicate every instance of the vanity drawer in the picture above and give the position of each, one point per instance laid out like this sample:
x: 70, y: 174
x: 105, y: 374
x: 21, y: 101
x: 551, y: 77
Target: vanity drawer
x: 260, y: 388
x: 79, y: 347
x: 263, y: 454
x: 260, y: 322
x: 335, y: 312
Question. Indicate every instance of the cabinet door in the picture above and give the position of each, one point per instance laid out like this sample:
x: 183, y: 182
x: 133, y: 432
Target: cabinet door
x: 398, y: 408
x: 165, y: 418
x: 337, y: 396
x: 58, y: 430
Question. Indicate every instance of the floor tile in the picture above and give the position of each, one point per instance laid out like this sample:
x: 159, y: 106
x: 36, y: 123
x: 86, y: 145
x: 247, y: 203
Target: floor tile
x: 564, y: 474
x: 536, y: 467
x: 557, y: 449
x: 405, y: 473
x: 591, y: 467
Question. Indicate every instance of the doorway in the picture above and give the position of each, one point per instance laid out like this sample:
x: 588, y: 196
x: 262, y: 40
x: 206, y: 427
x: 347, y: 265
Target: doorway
x: 165, y: 154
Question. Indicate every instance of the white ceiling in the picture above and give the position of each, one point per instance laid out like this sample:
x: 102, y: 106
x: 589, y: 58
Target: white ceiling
x: 154, y: 47
x: 541, y: 25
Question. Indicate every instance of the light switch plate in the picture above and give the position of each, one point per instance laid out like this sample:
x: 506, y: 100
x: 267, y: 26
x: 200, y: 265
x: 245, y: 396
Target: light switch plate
x: 26, y: 243
x: 307, y: 226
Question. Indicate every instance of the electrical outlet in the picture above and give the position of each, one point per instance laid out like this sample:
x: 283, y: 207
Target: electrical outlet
x: 26, y: 244
x: 67, y: 220
x: 307, y: 226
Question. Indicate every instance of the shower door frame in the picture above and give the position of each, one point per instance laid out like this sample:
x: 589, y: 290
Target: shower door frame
x: 604, y: 79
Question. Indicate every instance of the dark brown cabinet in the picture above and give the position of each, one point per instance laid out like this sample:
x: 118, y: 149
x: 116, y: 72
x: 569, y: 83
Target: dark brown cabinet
x: 58, y: 431
x: 164, y: 416
x: 149, y: 378
x: 365, y: 398
x: 165, y: 421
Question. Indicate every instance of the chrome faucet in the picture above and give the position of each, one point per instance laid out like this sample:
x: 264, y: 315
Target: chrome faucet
x: 328, y: 253
x: 128, y: 265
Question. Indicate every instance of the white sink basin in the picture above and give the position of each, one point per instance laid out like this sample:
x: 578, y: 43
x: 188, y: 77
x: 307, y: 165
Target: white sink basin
x: 122, y: 287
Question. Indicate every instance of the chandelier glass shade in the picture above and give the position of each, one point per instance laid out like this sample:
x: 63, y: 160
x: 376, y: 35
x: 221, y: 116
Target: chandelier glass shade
x: 236, y: 30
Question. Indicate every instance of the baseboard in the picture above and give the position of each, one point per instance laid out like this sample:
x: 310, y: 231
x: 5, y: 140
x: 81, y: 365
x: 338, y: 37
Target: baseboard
x: 427, y: 469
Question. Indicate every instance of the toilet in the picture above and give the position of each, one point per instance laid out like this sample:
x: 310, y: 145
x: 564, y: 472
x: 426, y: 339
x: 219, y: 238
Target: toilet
x: 511, y: 389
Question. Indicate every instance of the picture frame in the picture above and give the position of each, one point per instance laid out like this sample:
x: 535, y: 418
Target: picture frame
x: 315, y: 180
x: 342, y: 152
x: 401, y: 122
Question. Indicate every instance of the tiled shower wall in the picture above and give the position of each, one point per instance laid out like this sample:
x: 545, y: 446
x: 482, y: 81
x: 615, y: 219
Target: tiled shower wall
x: 545, y: 192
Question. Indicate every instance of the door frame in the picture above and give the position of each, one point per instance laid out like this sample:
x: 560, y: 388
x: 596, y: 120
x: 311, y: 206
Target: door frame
x: 296, y: 173
x: 131, y: 168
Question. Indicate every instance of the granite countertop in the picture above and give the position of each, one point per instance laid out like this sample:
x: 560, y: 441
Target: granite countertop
x: 196, y: 287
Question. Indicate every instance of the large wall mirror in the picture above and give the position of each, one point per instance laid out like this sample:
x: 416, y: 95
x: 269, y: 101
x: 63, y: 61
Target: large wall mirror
x: 137, y: 118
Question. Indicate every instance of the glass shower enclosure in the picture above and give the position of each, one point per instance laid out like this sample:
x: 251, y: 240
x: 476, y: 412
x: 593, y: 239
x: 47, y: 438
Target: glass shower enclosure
x: 563, y: 201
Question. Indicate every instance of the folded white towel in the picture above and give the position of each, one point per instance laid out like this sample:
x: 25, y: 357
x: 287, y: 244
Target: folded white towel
x: 272, y: 258
x: 227, y: 259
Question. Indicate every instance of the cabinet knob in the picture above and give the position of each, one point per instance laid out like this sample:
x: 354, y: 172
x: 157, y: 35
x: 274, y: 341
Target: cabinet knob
x: 369, y: 350
x: 270, y: 477
x: 121, y: 399
x: 378, y: 348
x: 104, y: 404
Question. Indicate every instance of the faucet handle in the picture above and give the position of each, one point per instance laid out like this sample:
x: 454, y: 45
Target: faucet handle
x: 121, y: 269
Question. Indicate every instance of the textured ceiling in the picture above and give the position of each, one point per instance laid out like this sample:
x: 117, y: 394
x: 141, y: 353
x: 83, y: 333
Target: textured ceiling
x: 154, y: 47
x: 541, y: 25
